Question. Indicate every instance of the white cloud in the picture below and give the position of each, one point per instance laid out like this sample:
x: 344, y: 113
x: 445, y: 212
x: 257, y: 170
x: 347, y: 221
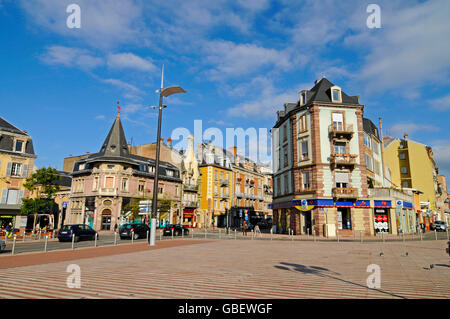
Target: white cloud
x: 441, y: 151
x: 104, y: 24
x: 130, y: 61
x: 410, y: 128
x: 231, y: 59
x: 411, y: 49
x: 70, y: 57
x: 122, y: 85
x: 441, y: 104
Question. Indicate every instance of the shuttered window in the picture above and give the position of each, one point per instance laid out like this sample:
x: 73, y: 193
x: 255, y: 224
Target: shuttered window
x: 342, y: 177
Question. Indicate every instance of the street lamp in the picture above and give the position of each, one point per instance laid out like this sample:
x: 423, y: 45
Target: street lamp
x: 162, y: 93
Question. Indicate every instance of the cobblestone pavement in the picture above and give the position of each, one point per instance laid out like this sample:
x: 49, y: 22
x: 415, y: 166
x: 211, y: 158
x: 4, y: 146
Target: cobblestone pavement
x: 235, y: 269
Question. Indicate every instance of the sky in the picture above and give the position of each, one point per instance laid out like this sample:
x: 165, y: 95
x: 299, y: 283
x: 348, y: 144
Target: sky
x: 239, y: 62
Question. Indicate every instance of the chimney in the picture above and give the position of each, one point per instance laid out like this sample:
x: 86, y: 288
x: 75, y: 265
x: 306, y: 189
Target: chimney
x: 233, y: 150
x: 405, y: 137
x: 317, y: 81
x: 169, y: 142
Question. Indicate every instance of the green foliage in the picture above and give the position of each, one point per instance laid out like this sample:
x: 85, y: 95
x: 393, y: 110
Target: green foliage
x: 133, y: 206
x: 43, y: 180
x: 35, y: 205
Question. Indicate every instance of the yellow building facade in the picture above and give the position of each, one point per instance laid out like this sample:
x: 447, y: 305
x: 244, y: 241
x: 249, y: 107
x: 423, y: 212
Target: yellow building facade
x: 412, y: 166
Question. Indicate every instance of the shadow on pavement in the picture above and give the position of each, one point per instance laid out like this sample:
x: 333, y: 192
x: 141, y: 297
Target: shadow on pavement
x: 324, y: 272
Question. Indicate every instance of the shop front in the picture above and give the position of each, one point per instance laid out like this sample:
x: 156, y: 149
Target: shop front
x: 188, y: 217
x: 382, y: 216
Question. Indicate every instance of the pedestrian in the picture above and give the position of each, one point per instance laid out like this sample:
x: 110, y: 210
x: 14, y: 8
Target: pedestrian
x: 257, y: 230
x: 115, y: 228
x: 8, y: 232
x: 244, y: 228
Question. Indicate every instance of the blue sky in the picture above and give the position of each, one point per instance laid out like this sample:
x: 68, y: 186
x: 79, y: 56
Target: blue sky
x: 238, y: 60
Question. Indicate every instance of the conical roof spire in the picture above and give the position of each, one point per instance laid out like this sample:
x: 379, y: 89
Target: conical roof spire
x: 115, y: 144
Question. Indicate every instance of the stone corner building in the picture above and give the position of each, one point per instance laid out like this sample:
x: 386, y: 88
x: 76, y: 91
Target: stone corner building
x: 105, y: 182
x: 320, y: 179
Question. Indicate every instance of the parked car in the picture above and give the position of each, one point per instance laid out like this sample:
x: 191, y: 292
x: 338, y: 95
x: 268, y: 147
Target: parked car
x: 439, y: 226
x: 135, y: 230
x: 2, y: 246
x: 81, y: 232
x: 177, y: 230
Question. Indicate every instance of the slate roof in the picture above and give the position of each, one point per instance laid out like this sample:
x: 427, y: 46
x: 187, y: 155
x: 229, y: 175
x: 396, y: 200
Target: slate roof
x: 8, y: 127
x: 370, y: 128
x: 320, y: 93
x: 7, y: 140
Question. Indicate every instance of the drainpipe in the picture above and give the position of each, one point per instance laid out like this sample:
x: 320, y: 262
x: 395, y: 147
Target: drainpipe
x: 382, y: 152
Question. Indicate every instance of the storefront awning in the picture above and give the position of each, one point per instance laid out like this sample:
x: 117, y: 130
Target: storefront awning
x: 382, y: 204
x: 362, y: 204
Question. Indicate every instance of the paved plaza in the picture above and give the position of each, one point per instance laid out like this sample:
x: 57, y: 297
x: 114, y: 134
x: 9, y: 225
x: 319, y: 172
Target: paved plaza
x: 186, y: 268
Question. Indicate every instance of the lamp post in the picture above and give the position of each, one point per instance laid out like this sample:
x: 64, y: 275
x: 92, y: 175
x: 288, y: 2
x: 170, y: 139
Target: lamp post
x: 162, y: 93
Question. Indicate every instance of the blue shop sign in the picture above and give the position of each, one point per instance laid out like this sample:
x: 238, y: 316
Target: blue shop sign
x: 407, y: 205
x: 382, y: 203
x: 362, y: 204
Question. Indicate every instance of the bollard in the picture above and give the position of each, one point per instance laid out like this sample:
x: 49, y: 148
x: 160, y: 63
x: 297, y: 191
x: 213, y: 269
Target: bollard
x: 292, y: 237
x: 205, y: 233
x: 360, y: 236
x: 220, y: 232
x: 252, y: 234
x: 382, y: 236
x: 271, y: 233
x: 314, y: 235
x: 24, y: 235
x: 39, y: 235
x: 447, y: 233
x: 73, y: 241
x: 115, y: 238
x: 192, y: 233
x: 132, y: 237
x: 147, y: 235
x: 421, y: 236
x: 160, y: 234
x: 337, y: 235
x: 182, y: 232
x: 435, y: 233
x: 45, y: 246
x: 14, y: 246
x: 96, y: 237
x: 235, y: 234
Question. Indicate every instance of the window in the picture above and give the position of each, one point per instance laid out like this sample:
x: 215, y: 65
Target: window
x: 95, y: 184
x: 304, y: 150
x: 402, y: 156
x: 125, y: 184
x: 169, y: 172
x: 404, y: 170
x: 302, y: 124
x: 286, y: 184
x: 344, y: 218
x: 305, y: 180
x: 11, y: 196
x: 285, y: 158
x: 339, y: 148
x: 109, y: 182
x: 160, y: 190
x: 338, y: 121
x: 19, y: 146
x: 110, y: 166
x: 16, y: 169
x: 405, y: 184
x: 215, y: 175
x: 285, y: 132
x: 303, y: 98
x: 366, y: 140
x: 141, y: 186
x: 369, y: 162
x: 336, y: 94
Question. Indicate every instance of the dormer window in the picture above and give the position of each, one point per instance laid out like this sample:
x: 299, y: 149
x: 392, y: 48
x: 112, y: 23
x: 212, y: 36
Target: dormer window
x: 19, y: 146
x: 336, y: 94
x: 303, y: 98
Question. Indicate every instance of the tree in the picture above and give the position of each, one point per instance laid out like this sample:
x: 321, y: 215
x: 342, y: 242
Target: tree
x: 41, y: 182
x: 133, y: 206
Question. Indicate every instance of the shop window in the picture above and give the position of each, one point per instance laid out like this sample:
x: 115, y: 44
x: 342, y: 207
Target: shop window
x: 344, y: 218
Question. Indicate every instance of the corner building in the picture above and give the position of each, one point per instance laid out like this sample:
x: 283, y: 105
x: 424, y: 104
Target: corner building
x: 320, y: 181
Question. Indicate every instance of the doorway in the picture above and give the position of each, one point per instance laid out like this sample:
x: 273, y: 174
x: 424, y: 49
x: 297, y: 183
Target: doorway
x: 344, y: 218
x: 106, y: 220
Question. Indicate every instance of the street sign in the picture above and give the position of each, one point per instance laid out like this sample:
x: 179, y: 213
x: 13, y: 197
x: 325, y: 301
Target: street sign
x: 64, y: 204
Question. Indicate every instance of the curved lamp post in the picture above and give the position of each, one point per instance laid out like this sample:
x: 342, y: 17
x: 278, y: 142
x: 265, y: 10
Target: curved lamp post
x: 162, y: 93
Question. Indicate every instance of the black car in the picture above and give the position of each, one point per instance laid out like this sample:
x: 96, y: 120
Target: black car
x: 79, y: 231
x: 264, y: 224
x: 135, y: 230
x: 177, y: 230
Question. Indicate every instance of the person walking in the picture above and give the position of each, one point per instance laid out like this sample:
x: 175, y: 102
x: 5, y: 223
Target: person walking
x: 8, y: 232
x: 115, y: 228
x: 244, y: 228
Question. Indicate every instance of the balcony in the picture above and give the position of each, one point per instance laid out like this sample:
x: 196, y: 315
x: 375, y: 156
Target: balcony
x: 108, y: 191
x: 345, y: 192
x: 224, y: 182
x: 191, y: 187
x: 191, y: 204
x: 343, y: 160
x: 224, y: 195
x: 341, y: 131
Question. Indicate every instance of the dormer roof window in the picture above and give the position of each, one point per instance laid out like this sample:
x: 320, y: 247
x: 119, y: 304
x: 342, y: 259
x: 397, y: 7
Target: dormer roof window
x: 303, y: 98
x: 336, y: 94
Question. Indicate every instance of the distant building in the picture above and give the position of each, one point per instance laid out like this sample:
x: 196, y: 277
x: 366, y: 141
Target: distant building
x: 16, y: 165
x: 105, y: 182
x: 412, y: 166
